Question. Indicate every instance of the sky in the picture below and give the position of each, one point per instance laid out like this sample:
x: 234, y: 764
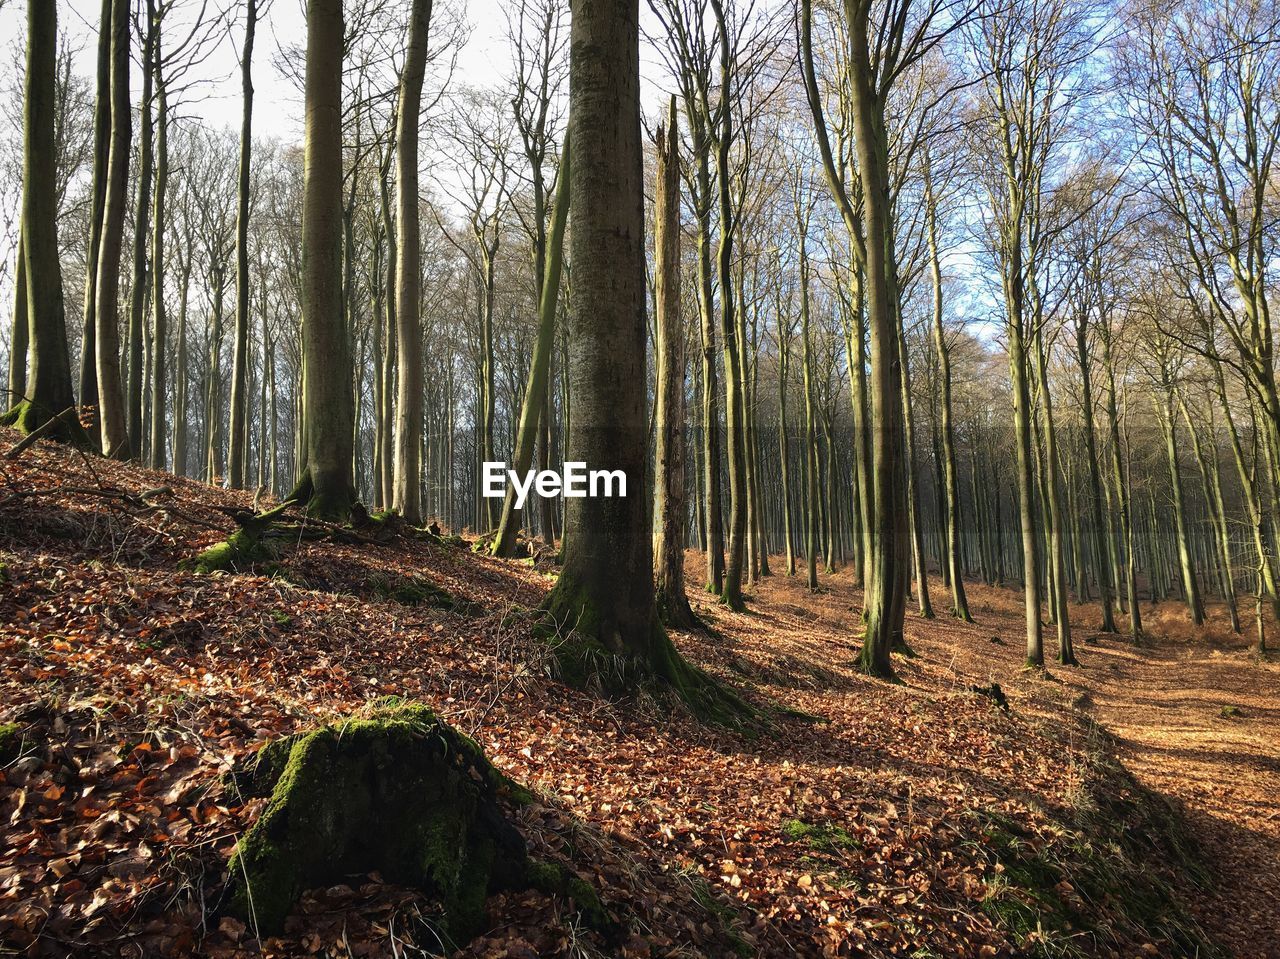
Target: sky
x: 277, y: 110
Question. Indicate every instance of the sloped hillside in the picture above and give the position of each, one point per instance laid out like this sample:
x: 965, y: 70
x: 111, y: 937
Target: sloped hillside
x: 862, y: 818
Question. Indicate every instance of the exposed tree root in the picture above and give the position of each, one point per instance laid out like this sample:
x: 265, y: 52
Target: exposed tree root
x: 590, y: 654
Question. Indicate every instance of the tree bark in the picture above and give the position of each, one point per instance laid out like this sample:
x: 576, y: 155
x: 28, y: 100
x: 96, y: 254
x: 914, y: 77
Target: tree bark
x: 111, y: 403
x: 533, y: 406
x: 669, y: 509
x: 326, y: 485
x: 159, y: 316
x: 407, y: 476
x: 238, y: 440
x: 605, y: 592
x: 101, y: 155
x: 141, y: 236
x: 48, y: 391
x: 20, y: 336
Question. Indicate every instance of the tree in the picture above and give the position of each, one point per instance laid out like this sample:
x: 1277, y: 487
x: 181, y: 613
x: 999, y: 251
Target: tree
x: 325, y: 482
x: 539, y: 38
x: 141, y: 235
x: 407, y: 474
x: 669, y: 510
x: 49, y: 393
x: 951, y: 483
x: 111, y: 403
x: 238, y: 439
x: 101, y: 155
x: 603, y: 601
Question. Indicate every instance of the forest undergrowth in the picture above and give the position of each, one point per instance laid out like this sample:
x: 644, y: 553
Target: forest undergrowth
x: 916, y: 819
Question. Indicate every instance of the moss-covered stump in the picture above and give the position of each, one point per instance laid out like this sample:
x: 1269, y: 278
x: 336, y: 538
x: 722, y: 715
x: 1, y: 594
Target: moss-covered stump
x: 394, y: 790
x: 242, y: 550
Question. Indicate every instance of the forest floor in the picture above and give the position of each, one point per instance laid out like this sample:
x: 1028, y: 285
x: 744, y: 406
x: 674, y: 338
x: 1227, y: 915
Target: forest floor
x: 914, y: 819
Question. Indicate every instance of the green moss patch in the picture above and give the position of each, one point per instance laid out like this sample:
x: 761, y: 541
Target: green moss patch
x: 825, y: 837
x: 415, y: 591
x: 13, y: 743
x: 395, y: 790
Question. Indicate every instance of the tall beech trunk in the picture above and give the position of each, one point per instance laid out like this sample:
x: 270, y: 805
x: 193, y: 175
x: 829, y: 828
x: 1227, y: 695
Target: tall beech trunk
x: 1053, y: 498
x: 1211, y: 475
x: 1124, y: 495
x: 710, y: 410
x: 886, y: 593
x: 1101, y: 543
x: 533, y: 406
x: 141, y: 237
x: 111, y: 402
x: 1169, y: 425
x: 914, y: 515
x: 810, y: 421
x: 180, y: 386
x: 238, y: 440
x: 669, y: 509
x: 388, y: 321
x: 325, y: 485
x: 407, y: 473
x: 48, y: 389
x: 101, y: 153
x: 784, y: 446
x: 159, y: 316
x: 735, y: 434
x: 950, y: 491
x: 1022, y: 415
x: 605, y: 591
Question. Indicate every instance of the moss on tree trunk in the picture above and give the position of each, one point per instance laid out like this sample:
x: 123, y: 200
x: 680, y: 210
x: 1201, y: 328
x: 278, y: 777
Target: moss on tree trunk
x: 393, y: 790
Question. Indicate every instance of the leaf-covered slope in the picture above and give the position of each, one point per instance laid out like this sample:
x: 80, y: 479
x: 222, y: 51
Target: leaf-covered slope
x: 909, y: 820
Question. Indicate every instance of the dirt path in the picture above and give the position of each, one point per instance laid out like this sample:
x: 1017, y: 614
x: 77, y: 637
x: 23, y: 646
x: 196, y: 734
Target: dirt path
x: 1197, y: 718
x: 1195, y: 714
x: 1200, y: 721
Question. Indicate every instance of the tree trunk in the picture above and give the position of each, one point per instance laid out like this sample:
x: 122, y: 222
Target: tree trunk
x: 533, y: 406
x: 915, y: 517
x: 1190, y: 584
x: 407, y: 477
x: 887, y: 589
x: 1022, y: 415
x: 1101, y: 543
x: 605, y: 591
x: 710, y: 412
x: 101, y: 152
x: 159, y: 318
x: 48, y: 392
x: 326, y: 483
x: 240, y: 351
x: 1124, y: 496
x: 20, y: 337
x: 950, y: 493
x: 141, y: 236
x: 810, y: 425
x: 669, y: 510
x: 111, y: 405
